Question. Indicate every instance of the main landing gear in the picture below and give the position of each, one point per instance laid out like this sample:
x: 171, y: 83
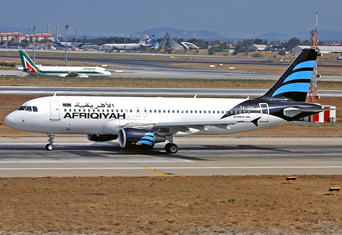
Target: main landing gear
x: 171, y: 148
x: 49, y: 147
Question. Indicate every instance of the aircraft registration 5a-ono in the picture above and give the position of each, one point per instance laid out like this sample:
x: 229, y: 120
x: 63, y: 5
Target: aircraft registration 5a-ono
x: 142, y: 122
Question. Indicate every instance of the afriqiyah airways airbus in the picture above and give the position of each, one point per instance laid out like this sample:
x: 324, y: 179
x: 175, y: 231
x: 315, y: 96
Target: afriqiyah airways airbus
x: 145, y: 42
x: 142, y: 122
x: 30, y: 67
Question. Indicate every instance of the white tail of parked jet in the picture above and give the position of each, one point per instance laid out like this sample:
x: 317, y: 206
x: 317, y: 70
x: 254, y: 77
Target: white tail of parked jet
x: 139, y: 122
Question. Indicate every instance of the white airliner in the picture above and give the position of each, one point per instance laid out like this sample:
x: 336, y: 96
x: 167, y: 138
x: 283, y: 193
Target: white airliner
x: 30, y: 67
x: 142, y: 122
x: 144, y: 42
x: 69, y: 44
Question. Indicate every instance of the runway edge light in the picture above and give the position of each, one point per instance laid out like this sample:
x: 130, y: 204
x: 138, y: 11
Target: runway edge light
x: 291, y: 178
x: 335, y: 190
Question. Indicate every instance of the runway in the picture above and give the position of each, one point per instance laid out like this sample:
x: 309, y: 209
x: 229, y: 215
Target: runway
x: 130, y: 91
x: 76, y: 156
x: 161, y: 67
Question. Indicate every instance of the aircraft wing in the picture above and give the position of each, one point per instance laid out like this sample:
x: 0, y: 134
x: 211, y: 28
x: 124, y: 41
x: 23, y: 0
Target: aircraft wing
x: 174, y: 127
x: 73, y: 74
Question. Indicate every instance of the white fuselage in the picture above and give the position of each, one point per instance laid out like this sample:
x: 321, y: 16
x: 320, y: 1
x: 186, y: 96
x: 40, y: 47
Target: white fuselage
x: 123, y: 46
x: 106, y: 115
x: 64, y: 70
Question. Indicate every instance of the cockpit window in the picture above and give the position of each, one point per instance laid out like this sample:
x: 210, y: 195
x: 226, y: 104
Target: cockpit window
x: 28, y: 108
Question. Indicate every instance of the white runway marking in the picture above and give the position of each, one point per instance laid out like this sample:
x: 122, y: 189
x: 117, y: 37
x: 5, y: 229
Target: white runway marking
x: 168, y: 168
x: 92, y: 160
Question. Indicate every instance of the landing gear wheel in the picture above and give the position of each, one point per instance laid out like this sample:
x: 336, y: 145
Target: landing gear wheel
x: 49, y: 147
x: 171, y: 148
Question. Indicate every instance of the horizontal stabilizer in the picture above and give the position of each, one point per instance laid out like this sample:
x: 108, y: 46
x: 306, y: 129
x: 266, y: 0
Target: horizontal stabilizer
x: 291, y: 111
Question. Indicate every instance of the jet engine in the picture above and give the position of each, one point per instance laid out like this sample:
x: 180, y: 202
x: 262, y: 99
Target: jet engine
x: 130, y: 137
x: 102, y: 138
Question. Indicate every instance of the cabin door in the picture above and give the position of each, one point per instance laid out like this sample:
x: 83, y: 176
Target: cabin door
x: 264, y: 110
x: 54, y: 110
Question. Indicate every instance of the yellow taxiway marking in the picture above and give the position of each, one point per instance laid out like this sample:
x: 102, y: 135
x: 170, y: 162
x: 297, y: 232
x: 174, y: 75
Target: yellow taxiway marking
x: 157, y: 172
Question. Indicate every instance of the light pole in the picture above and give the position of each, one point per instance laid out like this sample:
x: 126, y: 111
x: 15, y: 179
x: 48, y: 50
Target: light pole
x: 34, y: 44
x: 75, y: 35
x: 66, y: 43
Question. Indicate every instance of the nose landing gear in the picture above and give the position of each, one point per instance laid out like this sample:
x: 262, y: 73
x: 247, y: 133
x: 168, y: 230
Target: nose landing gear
x: 50, y: 147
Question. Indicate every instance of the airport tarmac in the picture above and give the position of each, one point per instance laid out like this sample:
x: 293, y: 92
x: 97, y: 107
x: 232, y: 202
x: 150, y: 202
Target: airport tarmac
x: 76, y: 156
x: 134, y: 91
x: 156, y: 68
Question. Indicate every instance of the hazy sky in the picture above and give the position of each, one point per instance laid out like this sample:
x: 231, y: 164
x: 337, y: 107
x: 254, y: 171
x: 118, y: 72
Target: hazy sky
x: 233, y: 18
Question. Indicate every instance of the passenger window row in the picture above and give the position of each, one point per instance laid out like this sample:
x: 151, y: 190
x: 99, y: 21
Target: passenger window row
x: 155, y: 111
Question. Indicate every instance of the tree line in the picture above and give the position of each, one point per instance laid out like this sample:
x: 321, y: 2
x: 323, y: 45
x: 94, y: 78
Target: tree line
x: 211, y: 46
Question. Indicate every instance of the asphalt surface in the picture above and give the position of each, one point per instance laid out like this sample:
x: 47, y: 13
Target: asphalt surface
x: 156, y: 68
x: 76, y: 156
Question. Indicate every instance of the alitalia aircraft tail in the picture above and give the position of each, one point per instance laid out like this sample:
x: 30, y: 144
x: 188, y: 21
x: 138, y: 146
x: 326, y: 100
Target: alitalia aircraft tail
x: 28, y: 65
x: 295, y: 82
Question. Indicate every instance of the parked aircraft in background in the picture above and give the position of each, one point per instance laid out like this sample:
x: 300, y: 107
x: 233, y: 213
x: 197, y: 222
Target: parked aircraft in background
x: 30, y: 67
x: 69, y: 44
x: 147, y: 41
x: 142, y: 122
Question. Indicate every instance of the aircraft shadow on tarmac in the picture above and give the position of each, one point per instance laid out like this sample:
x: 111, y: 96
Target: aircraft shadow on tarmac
x: 235, y: 148
x: 111, y: 150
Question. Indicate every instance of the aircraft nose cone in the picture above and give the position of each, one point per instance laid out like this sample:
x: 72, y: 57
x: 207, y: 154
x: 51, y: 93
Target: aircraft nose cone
x: 11, y: 119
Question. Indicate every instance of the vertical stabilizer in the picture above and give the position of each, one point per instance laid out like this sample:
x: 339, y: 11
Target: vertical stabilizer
x: 149, y: 41
x: 28, y: 65
x: 295, y: 82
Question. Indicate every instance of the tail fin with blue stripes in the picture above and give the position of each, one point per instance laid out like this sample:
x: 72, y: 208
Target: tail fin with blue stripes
x: 295, y: 82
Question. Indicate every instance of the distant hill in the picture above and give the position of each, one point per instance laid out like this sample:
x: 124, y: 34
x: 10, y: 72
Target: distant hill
x: 186, y: 34
x: 323, y: 35
x: 4, y: 29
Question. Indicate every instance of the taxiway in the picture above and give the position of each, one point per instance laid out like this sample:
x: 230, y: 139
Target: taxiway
x: 76, y: 156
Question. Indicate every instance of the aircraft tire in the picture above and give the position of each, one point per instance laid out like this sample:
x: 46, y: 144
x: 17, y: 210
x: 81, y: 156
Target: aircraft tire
x: 49, y: 147
x: 171, y: 148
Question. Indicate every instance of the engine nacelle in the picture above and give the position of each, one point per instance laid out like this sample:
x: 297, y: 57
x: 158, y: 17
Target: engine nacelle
x: 102, y: 138
x: 130, y: 137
